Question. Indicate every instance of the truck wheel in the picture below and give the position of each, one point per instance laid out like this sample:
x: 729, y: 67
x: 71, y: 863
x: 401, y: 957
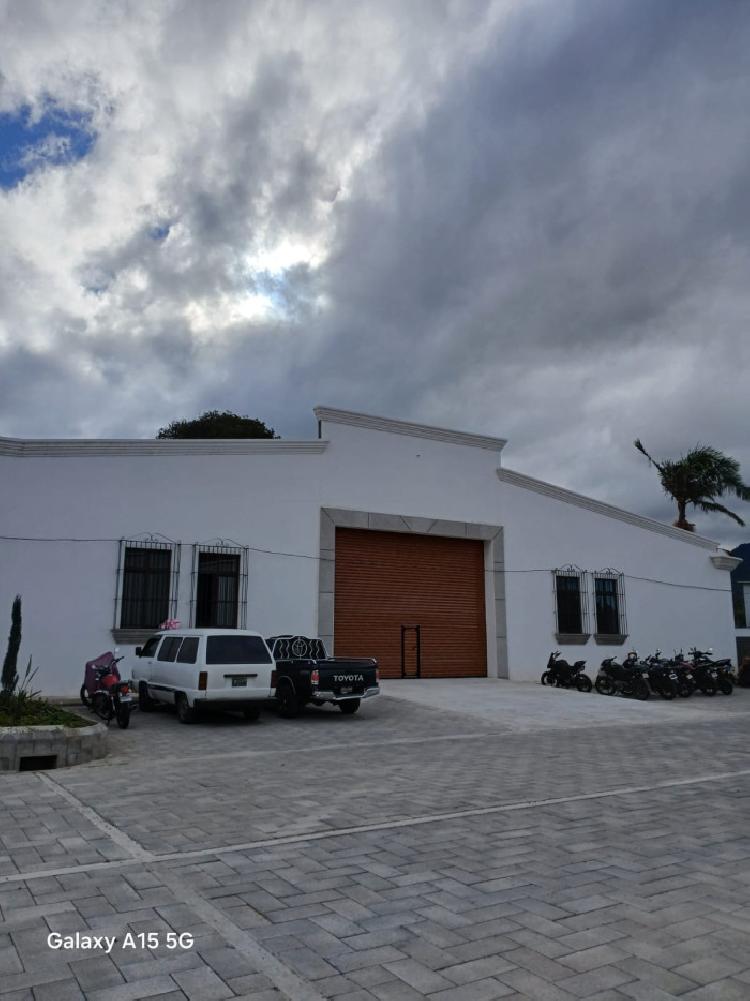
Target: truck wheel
x: 145, y: 702
x: 289, y: 704
x: 251, y: 714
x: 184, y: 713
x: 349, y: 707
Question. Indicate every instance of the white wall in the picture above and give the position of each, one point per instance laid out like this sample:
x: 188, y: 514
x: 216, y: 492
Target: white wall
x: 273, y: 501
x: 545, y: 532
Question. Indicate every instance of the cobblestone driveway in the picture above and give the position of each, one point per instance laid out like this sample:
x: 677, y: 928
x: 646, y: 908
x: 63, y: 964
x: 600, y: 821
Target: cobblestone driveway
x: 405, y: 852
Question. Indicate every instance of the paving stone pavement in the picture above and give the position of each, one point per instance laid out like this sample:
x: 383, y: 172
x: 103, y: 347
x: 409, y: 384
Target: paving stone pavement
x: 641, y: 891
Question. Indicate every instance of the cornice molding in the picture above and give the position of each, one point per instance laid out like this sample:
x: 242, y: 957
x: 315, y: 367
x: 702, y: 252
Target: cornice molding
x: 57, y: 447
x: 371, y: 421
x: 600, y: 507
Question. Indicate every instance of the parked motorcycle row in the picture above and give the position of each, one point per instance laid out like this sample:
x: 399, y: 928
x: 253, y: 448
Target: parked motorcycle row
x: 679, y: 677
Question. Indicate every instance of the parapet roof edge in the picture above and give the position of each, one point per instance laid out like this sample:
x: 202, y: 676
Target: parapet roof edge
x: 601, y: 507
x: 31, y: 447
x: 412, y: 430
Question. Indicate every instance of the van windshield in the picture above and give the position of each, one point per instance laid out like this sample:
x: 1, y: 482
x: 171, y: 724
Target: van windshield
x: 236, y: 650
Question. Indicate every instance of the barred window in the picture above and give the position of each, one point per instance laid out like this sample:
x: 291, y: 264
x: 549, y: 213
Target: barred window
x: 609, y: 600
x: 146, y: 579
x: 219, y: 598
x: 570, y: 600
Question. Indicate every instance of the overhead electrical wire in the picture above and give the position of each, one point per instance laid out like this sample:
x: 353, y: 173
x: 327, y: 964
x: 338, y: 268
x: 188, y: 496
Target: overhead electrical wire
x: 307, y: 556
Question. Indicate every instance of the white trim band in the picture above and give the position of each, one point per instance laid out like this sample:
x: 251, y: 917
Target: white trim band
x: 375, y: 423
x: 600, y: 507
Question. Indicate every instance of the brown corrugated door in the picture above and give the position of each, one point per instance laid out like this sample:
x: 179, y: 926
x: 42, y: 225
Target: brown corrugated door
x: 386, y: 580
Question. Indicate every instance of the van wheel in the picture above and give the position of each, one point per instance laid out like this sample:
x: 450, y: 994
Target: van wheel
x: 251, y: 714
x: 289, y: 704
x: 349, y: 707
x: 145, y: 702
x: 184, y: 713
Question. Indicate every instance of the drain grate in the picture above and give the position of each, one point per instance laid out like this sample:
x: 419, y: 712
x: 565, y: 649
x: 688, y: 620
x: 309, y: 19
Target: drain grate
x: 37, y: 762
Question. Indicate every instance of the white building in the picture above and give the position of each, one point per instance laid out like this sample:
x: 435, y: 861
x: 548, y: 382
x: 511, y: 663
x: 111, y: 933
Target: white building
x: 402, y: 541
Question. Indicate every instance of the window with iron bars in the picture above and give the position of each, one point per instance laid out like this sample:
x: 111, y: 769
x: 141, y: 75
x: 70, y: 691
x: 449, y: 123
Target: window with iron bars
x: 146, y: 591
x: 219, y: 586
x: 609, y: 603
x: 570, y: 601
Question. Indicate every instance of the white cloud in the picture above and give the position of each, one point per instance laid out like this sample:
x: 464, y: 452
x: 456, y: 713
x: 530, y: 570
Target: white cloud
x: 526, y: 218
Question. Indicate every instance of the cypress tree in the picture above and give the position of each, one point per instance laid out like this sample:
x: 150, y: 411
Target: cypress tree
x: 10, y: 664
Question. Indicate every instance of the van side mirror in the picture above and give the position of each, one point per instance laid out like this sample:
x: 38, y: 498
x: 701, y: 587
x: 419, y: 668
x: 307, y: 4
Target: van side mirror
x: 138, y: 651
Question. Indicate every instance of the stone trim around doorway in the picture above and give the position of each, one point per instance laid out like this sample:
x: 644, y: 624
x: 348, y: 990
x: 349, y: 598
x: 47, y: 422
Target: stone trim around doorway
x: 333, y: 518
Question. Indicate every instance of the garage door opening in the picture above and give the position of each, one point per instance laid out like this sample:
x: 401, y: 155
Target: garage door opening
x: 389, y: 583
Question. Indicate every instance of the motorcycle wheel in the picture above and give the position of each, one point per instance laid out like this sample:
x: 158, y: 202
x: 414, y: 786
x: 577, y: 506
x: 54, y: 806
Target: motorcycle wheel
x: 123, y: 717
x: 726, y: 687
x: 102, y: 706
x: 548, y: 678
x: 604, y: 686
x: 708, y: 688
x: 684, y: 691
x: 641, y: 690
x: 85, y: 700
x: 668, y: 689
x: 583, y: 683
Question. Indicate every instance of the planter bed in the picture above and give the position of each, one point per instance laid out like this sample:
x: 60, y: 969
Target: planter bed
x: 51, y: 745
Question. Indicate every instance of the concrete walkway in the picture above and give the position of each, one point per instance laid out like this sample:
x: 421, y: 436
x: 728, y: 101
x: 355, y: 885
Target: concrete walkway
x: 521, y: 707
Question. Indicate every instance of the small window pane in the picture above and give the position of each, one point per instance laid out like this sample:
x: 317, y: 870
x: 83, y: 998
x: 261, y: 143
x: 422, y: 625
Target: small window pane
x: 607, y: 606
x: 188, y: 653
x: 569, y: 619
x: 169, y: 648
x: 145, y: 587
x: 150, y: 646
x: 236, y: 650
x: 217, y: 598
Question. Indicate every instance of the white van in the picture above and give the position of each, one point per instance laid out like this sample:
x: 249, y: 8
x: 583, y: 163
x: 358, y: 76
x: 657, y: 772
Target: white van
x: 214, y: 668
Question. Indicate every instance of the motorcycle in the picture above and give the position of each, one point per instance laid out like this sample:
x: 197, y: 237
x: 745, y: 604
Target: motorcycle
x: 661, y: 676
x: 626, y: 678
x: 104, y: 692
x: 684, y: 671
x: 564, y: 675
x: 703, y: 677
x: 720, y: 669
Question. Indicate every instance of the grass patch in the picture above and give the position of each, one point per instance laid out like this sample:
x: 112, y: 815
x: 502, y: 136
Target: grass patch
x: 37, y: 712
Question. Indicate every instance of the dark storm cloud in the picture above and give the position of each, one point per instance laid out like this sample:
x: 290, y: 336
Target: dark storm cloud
x: 527, y: 219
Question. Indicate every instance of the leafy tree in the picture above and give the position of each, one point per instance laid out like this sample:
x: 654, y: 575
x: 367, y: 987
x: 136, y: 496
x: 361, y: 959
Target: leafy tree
x: 698, y: 478
x: 218, y: 424
x: 10, y: 664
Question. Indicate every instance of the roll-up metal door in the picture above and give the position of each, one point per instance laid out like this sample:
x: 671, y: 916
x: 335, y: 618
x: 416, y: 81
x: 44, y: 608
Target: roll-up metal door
x: 415, y: 602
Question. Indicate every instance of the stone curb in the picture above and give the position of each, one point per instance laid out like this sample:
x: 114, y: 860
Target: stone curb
x: 55, y: 746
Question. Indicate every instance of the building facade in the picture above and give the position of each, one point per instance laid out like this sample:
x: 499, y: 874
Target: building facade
x: 386, y: 538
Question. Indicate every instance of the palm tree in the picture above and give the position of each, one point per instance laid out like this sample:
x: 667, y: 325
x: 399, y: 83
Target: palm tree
x: 698, y: 478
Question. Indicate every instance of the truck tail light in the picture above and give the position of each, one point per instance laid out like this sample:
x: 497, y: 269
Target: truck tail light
x: 377, y: 675
x: 315, y: 676
x: 203, y: 681
x: 273, y: 679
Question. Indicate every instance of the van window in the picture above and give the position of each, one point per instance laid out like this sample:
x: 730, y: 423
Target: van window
x: 233, y: 649
x: 169, y: 648
x: 188, y: 653
x: 149, y: 647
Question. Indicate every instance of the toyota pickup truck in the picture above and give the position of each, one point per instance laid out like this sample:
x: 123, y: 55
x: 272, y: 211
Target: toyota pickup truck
x: 306, y: 674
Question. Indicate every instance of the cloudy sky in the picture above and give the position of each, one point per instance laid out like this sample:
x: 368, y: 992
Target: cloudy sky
x: 529, y: 219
